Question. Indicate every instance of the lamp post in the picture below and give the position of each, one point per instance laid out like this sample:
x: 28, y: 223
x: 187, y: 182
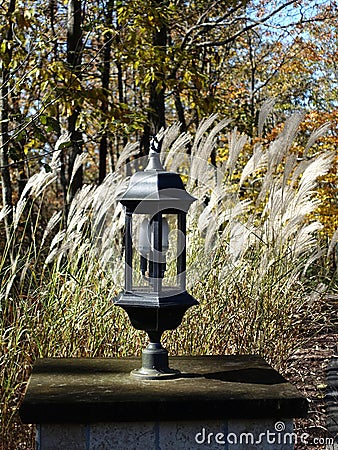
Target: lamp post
x: 154, y: 295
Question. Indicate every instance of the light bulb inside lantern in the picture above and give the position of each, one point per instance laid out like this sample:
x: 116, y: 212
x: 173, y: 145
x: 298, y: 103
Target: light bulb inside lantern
x: 146, y: 245
x: 143, y: 241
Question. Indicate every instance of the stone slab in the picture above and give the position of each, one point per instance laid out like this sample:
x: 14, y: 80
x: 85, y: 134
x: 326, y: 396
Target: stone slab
x: 92, y: 390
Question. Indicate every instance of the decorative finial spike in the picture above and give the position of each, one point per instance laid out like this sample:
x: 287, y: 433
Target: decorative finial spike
x: 154, y: 156
x: 155, y: 145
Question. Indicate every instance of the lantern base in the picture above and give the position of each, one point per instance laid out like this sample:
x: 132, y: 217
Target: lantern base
x: 153, y: 374
x: 155, y: 364
x: 155, y: 311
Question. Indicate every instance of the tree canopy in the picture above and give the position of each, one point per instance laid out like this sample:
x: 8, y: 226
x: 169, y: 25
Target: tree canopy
x: 103, y: 73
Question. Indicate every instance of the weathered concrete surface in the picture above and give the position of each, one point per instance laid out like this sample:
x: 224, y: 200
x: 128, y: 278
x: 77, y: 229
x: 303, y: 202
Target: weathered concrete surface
x: 211, y: 388
x: 188, y: 435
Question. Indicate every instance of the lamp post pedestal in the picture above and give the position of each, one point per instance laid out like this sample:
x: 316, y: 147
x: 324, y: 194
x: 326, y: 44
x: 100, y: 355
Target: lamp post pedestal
x: 216, y: 402
x: 155, y: 364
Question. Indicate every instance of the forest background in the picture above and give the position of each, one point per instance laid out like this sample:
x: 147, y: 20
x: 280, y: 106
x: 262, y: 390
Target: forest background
x: 84, y: 87
x: 111, y: 72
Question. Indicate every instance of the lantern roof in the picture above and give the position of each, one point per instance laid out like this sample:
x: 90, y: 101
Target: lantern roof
x: 156, y: 189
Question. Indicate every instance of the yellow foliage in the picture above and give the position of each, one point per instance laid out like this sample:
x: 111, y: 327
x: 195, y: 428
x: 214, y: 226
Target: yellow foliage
x: 327, y: 192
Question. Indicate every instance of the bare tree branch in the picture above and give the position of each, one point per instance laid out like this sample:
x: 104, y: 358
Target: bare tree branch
x: 253, y: 24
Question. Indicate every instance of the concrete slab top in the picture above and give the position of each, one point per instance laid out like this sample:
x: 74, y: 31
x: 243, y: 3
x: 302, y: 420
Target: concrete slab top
x: 88, y: 390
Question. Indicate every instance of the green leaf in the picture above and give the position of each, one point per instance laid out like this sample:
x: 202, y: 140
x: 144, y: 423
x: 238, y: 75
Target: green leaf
x: 66, y: 144
x: 47, y: 168
x: 51, y: 123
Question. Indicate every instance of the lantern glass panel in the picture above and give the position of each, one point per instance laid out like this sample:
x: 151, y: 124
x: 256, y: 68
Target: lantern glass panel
x: 158, y: 245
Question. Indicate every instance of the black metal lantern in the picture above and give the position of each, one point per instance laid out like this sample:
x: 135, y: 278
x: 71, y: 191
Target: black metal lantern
x: 155, y: 296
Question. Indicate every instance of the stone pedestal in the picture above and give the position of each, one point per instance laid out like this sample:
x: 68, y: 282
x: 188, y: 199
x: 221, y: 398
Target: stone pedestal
x: 219, y: 402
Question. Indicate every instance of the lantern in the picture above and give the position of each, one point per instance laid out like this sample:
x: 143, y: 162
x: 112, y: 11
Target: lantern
x: 154, y: 295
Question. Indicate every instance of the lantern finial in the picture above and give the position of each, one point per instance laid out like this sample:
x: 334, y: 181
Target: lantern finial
x: 154, y: 163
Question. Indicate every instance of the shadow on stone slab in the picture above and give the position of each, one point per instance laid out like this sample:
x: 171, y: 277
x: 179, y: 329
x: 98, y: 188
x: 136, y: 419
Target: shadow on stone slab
x: 251, y: 376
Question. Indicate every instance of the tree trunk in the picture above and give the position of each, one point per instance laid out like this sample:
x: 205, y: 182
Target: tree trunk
x: 74, y: 59
x: 105, y: 88
x: 156, y: 114
x: 4, y: 120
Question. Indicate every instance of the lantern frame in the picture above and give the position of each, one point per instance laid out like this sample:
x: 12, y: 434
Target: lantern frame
x: 155, y: 192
